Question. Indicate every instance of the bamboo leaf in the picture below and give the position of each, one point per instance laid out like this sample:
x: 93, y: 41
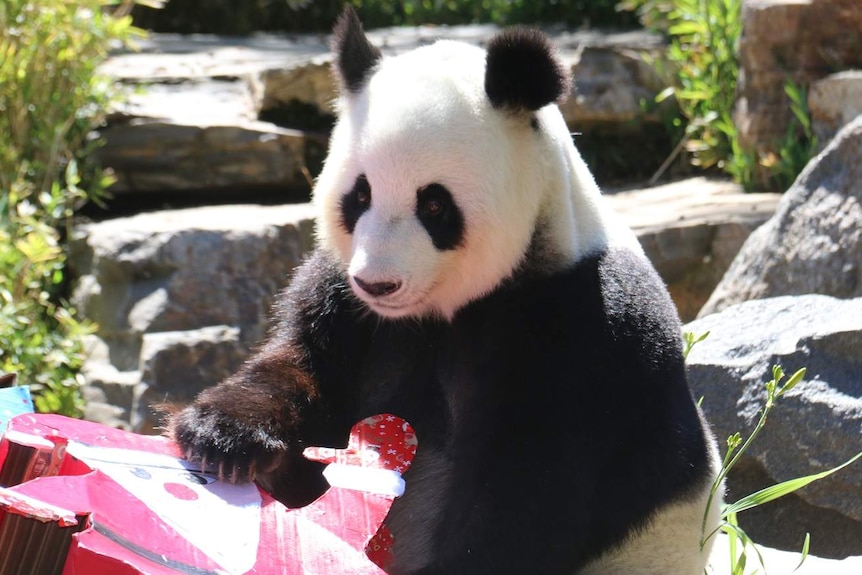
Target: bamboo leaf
x: 665, y: 94
x: 793, y: 381
x: 687, y: 28
x: 781, y: 489
x: 696, y: 95
x: 805, y: 545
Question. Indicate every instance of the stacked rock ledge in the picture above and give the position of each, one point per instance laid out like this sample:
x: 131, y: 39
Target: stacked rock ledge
x: 180, y: 297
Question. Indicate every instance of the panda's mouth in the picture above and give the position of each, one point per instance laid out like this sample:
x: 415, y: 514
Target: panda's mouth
x: 393, y: 309
x: 404, y: 302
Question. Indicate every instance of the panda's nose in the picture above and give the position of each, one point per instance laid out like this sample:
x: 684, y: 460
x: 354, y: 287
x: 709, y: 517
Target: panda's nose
x: 377, y: 289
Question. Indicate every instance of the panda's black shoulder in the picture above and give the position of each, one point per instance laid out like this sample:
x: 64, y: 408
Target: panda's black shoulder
x: 638, y: 319
x: 610, y: 305
x: 636, y: 299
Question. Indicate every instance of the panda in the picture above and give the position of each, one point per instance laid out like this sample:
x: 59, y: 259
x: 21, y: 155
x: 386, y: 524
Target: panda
x: 470, y: 279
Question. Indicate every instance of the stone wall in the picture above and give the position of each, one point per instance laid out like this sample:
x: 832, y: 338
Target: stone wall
x: 801, y: 40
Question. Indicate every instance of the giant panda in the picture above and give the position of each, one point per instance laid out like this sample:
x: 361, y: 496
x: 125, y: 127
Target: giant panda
x: 470, y: 279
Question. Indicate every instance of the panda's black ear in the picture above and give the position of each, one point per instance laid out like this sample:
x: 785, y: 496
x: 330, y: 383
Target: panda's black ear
x: 523, y: 71
x: 354, y: 54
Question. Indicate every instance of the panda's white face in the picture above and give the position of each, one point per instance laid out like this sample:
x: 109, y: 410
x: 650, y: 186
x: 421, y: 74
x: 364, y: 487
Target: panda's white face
x: 446, y: 162
x: 429, y: 193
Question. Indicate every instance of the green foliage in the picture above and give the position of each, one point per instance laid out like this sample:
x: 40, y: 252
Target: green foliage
x: 243, y: 16
x: 702, y: 69
x: 799, y: 144
x: 739, y: 542
x: 689, y: 340
x: 51, y: 97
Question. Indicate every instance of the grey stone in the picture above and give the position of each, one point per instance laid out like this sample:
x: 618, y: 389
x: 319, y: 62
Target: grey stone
x: 177, y: 365
x: 834, y: 102
x: 170, y: 155
x: 789, y: 39
x: 195, y: 123
x: 108, y: 392
x: 179, y: 272
x: 187, y: 269
x: 816, y: 426
x: 813, y: 243
x: 691, y: 230
x: 611, y: 87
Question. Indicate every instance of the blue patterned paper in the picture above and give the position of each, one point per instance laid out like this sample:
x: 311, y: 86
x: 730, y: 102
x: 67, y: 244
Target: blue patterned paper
x: 14, y: 401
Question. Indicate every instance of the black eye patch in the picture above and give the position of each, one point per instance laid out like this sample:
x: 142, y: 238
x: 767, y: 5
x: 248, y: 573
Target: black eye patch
x: 441, y: 218
x: 355, y: 203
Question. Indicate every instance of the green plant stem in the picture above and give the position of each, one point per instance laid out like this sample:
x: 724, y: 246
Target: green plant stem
x: 734, y: 455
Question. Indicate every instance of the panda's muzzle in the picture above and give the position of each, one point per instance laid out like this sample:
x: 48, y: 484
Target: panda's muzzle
x: 378, y: 289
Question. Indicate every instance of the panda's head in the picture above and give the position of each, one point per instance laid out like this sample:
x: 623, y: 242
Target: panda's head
x: 447, y: 162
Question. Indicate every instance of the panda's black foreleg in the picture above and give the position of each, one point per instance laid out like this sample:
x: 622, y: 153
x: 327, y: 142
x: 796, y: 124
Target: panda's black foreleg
x: 256, y: 423
x: 245, y: 425
x: 254, y: 426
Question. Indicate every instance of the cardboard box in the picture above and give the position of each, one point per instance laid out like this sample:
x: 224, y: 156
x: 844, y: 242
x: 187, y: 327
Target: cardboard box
x: 78, y: 498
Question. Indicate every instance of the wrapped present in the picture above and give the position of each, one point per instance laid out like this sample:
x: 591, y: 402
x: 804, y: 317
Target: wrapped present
x: 78, y: 498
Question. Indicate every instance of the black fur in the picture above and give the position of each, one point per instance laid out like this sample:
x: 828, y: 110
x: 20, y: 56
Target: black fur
x: 440, y: 216
x: 355, y: 56
x: 522, y: 71
x: 355, y: 203
x: 559, y: 401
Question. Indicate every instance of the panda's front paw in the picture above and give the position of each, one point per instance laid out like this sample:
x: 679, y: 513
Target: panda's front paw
x: 235, y: 450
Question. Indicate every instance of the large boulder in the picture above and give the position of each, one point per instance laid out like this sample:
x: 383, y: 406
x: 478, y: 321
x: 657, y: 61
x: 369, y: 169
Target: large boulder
x: 813, y: 243
x: 179, y: 296
x: 789, y: 39
x: 170, y: 155
x: 816, y: 426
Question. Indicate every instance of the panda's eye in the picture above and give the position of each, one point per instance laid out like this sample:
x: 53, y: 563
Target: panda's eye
x: 355, y: 203
x: 432, y: 208
x: 362, y: 191
x: 439, y: 214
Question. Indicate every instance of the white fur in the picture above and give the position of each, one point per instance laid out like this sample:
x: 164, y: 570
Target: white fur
x: 670, y: 543
x: 423, y: 118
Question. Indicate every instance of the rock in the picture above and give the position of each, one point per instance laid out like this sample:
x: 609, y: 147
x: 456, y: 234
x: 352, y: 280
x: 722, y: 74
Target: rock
x: 205, y: 118
x: 177, y: 365
x: 108, y: 391
x: 813, y: 244
x: 834, y: 102
x: 800, y: 40
x: 187, y: 269
x: 169, y: 156
x: 816, y: 426
x: 779, y: 562
x: 691, y: 231
x: 178, y: 271
x: 612, y: 80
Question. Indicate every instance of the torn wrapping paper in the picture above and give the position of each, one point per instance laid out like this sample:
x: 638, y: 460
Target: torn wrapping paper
x: 14, y: 401
x: 78, y: 498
